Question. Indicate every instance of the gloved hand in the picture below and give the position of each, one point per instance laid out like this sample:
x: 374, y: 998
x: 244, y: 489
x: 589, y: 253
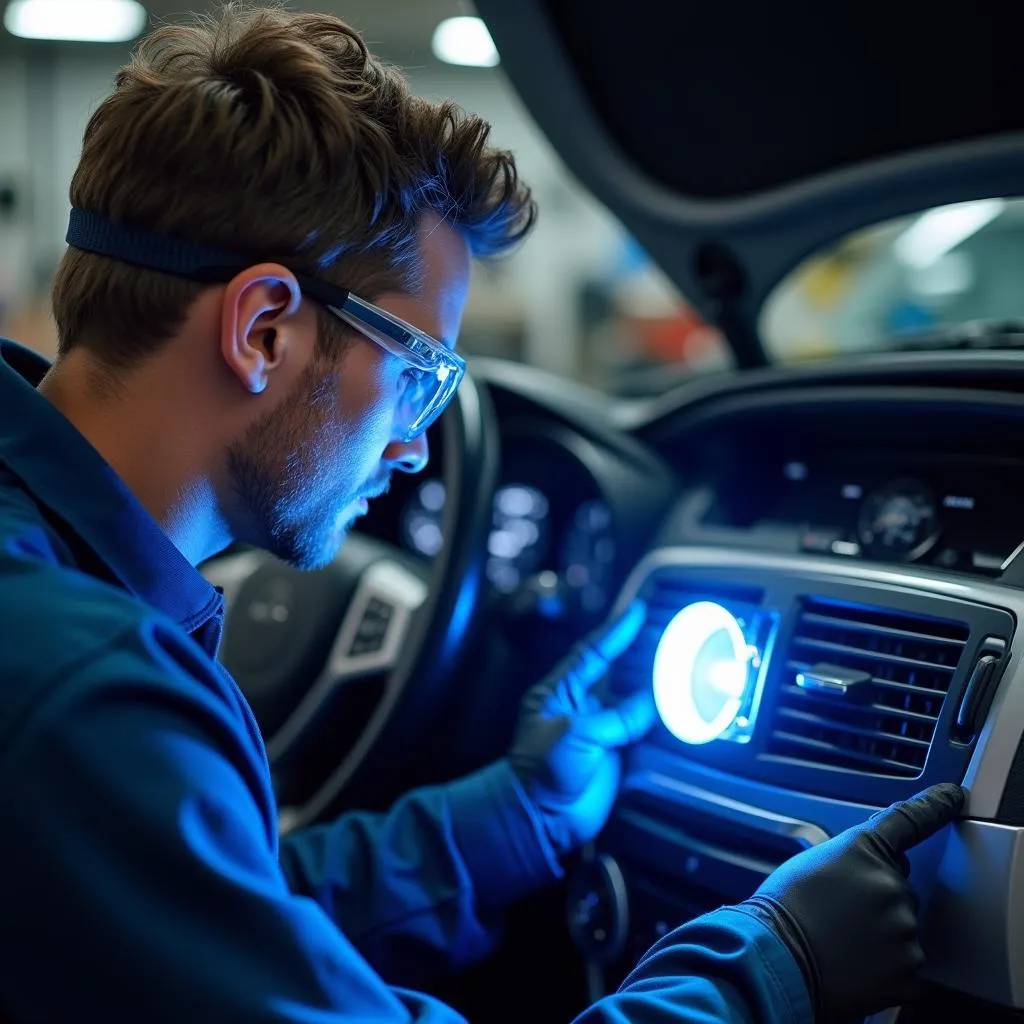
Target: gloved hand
x: 846, y: 910
x: 565, y: 750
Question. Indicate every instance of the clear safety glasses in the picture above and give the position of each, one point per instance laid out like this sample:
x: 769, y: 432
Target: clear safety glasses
x: 433, y: 371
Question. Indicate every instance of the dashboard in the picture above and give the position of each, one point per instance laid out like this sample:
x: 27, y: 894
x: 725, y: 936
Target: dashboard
x: 832, y: 564
x: 834, y: 585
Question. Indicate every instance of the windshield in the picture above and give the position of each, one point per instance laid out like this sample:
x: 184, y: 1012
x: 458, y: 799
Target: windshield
x: 908, y: 279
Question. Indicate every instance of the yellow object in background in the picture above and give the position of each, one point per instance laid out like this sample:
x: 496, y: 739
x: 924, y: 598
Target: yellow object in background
x: 824, y: 282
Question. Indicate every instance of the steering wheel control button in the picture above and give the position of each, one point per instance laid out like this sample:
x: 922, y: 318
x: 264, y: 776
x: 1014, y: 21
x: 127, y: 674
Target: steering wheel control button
x: 373, y: 627
x: 265, y: 611
x: 597, y: 909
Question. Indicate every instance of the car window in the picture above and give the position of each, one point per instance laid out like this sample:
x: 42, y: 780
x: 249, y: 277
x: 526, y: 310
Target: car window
x: 914, y: 277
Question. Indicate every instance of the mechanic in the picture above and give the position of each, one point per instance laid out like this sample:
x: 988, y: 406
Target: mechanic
x: 217, y: 382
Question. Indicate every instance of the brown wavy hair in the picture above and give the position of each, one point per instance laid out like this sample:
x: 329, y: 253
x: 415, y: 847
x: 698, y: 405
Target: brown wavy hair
x: 275, y: 134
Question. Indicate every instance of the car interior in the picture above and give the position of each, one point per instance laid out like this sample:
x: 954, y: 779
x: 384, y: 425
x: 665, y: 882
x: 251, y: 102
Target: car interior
x: 830, y: 552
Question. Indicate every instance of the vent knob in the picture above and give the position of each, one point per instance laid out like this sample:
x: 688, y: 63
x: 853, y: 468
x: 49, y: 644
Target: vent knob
x: 837, y: 679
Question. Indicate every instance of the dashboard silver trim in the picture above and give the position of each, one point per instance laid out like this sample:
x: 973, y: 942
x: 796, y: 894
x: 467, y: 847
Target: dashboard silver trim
x: 974, y: 934
x: 1012, y: 557
x: 802, y: 832
x: 885, y: 1017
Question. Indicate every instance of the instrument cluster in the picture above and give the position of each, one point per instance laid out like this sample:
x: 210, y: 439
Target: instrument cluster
x: 553, y: 546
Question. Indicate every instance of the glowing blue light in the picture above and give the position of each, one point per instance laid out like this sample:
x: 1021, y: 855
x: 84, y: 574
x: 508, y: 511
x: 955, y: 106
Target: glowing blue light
x: 701, y: 668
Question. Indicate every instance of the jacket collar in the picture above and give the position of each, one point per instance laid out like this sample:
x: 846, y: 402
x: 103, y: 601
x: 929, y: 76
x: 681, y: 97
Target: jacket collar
x: 67, y: 476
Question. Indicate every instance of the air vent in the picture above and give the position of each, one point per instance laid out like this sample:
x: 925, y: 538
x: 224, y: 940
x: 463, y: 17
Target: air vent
x: 884, y: 723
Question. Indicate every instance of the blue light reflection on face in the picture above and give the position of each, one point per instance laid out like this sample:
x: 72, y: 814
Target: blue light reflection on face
x: 701, y: 668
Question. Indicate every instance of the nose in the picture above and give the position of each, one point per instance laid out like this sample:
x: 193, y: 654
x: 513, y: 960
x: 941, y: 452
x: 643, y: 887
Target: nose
x: 408, y: 456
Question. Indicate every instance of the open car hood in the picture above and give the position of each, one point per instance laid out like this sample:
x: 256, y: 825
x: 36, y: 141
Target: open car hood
x: 733, y: 140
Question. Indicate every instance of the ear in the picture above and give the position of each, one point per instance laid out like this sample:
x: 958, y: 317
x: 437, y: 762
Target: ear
x: 257, y: 303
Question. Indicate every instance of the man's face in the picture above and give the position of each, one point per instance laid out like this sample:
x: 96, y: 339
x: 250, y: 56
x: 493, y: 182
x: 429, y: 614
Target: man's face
x: 305, y: 470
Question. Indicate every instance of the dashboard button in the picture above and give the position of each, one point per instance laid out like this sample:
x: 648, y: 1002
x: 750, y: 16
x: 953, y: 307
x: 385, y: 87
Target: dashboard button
x: 819, y: 539
x: 846, y: 548
x: 989, y: 564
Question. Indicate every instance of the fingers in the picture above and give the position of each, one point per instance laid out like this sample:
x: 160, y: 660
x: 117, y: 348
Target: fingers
x: 613, y: 638
x: 621, y: 725
x: 604, y: 645
x: 905, y: 824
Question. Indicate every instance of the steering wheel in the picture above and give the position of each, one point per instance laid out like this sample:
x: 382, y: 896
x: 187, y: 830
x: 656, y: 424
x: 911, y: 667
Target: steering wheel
x: 327, y: 657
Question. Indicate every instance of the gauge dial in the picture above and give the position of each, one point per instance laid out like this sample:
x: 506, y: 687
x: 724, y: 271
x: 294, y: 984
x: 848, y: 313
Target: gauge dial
x: 899, y: 520
x: 519, y: 530
x: 519, y: 535
x: 588, y: 554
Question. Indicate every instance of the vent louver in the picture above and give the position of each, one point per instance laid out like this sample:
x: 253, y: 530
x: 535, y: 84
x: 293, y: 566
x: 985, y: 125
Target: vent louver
x: 884, y: 725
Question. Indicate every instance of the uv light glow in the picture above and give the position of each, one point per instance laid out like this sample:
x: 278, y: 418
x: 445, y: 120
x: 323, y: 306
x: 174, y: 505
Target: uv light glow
x: 691, y: 675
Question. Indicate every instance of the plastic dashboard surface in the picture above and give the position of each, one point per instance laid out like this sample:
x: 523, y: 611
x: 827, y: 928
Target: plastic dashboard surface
x: 936, y: 692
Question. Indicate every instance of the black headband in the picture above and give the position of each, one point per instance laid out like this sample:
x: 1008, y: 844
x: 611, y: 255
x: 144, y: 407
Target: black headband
x: 95, y: 233
x: 92, y: 232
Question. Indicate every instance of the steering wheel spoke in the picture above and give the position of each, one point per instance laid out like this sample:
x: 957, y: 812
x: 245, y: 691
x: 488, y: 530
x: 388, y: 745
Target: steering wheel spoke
x: 370, y: 640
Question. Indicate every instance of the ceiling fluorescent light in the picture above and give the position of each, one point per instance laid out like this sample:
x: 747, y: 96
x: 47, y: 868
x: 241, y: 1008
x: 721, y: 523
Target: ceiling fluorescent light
x: 941, y: 230
x: 81, y: 21
x: 464, y: 41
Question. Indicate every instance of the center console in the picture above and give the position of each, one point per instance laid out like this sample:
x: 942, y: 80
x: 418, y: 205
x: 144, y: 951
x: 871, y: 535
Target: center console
x: 797, y: 694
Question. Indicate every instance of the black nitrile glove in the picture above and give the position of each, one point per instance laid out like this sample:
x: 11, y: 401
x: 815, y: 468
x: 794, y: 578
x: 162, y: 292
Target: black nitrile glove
x: 846, y: 910
x: 566, y: 747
